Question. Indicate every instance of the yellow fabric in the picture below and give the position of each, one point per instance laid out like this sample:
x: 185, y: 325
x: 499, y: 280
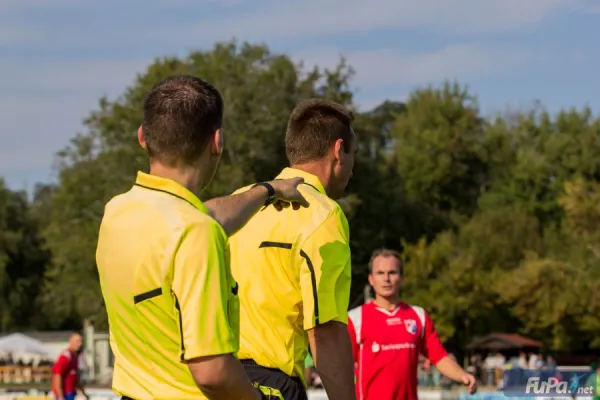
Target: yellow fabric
x: 270, y: 392
x: 158, y: 244
x: 273, y: 258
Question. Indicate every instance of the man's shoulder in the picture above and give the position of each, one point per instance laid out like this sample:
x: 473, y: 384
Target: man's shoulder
x: 65, y: 354
x: 355, y: 314
x: 179, y: 214
x: 412, y: 308
x: 117, y: 201
x: 324, y: 210
x: 204, y: 223
x: 320, y: 200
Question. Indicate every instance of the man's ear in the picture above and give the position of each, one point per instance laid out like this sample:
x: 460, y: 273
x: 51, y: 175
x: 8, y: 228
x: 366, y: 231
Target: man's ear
x: 370, y: 279
x: 217, y: 143
x: 338, y: 150
x: 141, y: 139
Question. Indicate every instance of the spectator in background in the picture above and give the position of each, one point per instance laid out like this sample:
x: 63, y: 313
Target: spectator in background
x: 65, y: 373
x: 476, y: 366
x: 533, y: 361
x: 539, y: 363
x: 388, y: 335
x: 550, y: 363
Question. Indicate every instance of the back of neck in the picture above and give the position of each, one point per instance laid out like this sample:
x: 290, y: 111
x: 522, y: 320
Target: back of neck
x: 318, y: 169
x: 187, y: 178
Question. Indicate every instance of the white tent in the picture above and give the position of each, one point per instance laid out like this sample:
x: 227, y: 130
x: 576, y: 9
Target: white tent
x: 19, y: 343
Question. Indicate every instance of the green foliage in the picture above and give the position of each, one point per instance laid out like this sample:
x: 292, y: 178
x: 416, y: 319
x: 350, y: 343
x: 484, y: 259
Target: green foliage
x: 22, y: 261
x: 498, y: 219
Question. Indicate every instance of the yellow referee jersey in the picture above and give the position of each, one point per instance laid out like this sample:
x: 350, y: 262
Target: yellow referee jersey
x: 164, y: 271
x: 293, y: 268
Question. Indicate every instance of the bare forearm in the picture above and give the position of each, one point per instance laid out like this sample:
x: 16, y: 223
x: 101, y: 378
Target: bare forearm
x: 333, y: 359
x: 57, y: 385
x: 449, y: 368
x: 223, y: 378
x: 232, y: 212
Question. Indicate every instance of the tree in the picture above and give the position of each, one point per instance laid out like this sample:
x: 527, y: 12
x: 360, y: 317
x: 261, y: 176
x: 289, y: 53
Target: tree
x: 498, y: 219
x: 439, y: 154
x: 259, y: 90
x: 22, y: 261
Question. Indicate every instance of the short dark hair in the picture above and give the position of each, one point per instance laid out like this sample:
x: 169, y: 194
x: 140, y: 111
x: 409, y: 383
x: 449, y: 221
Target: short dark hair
x: 313, y: 126
x: 181, y: 113
x: 387, y: 253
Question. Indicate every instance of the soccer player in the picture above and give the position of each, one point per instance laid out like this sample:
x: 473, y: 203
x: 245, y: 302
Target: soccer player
x: 163, y: 259
x: 65, y: 373
x: 388, y: 336
x: 294, y: 267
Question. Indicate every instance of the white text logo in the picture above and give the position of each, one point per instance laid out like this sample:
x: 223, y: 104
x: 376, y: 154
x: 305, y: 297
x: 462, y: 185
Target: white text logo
x: 555, y: 386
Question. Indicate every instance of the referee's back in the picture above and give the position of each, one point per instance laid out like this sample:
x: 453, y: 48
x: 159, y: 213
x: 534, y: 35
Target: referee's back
x: 293, y: 270
x: 161, y: 261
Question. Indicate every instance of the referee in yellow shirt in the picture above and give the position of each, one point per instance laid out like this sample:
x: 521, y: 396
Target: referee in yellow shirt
x: 163, y: 259
x: 293, y: 267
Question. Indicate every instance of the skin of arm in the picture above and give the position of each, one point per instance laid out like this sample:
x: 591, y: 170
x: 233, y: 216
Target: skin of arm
x: 449, y: 368
x: 57, y: 385
x: 232, y: 212
x: 222, y: 377
x: 332, y: 355
x: 435, y: 352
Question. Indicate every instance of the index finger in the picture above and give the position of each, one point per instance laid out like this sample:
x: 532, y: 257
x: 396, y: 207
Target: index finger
x: 297, y: 180
x: 301, y: 200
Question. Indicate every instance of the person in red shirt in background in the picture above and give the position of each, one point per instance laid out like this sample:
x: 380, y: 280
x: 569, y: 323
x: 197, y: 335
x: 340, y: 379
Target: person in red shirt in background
x: 388, y: 335
x: 65, y: 373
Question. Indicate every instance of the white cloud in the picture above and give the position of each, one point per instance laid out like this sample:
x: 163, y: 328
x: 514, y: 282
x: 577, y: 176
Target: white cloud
x: 44, y: 104
x: 275, y: 19
x: 320, y: 17
x: 386, y: 67
x: 56, y: 96
x: 66, y: 76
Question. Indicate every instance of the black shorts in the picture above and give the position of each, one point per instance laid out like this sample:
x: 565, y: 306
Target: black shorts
x: 280, y: 385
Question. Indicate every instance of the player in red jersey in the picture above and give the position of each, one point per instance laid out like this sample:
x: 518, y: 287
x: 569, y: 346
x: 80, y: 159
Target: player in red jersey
x: 388, y: 336
x: 65, y: 373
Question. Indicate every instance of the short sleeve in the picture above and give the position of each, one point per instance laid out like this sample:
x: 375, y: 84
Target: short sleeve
x: 325, y: 274
x: 432, y: 348
x: 61, y: 365
x: 202, y: 287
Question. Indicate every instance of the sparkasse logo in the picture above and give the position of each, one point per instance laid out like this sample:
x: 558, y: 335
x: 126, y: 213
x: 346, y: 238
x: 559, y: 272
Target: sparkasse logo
x: 540, y: 383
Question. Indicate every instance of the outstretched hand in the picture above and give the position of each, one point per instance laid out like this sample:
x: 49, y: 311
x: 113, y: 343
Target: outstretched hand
x: 470, y: 382
x: 286, y: 193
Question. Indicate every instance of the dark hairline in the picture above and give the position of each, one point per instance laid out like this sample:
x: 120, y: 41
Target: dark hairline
x: 338, y: 112
x: 195, y: 88
x: 385, y: 252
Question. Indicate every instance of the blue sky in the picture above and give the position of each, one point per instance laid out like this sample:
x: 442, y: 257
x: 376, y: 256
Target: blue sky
x: 57, y: 57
